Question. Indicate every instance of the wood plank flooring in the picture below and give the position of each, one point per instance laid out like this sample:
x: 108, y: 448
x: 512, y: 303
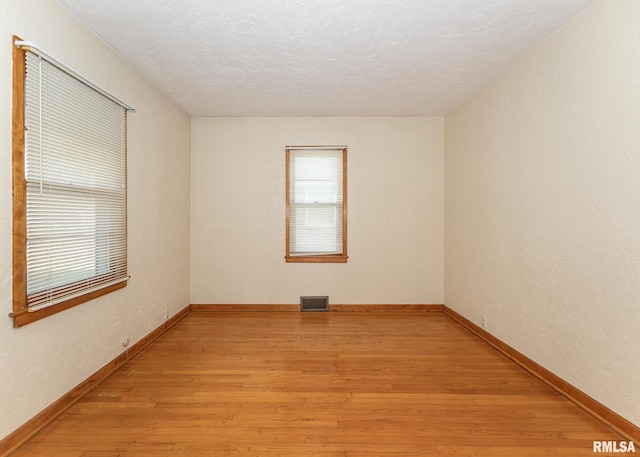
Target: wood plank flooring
x: 320, y: 385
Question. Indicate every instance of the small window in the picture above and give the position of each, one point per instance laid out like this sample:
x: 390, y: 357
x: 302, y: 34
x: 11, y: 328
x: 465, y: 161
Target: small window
x: 69, y: 166
x: 316, y: 204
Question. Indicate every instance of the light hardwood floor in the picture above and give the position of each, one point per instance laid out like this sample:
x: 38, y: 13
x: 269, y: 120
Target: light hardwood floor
x: 320, y: 384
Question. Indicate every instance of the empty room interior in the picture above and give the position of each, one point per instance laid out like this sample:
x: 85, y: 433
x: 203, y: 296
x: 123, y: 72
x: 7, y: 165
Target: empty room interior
x: 475, y: 226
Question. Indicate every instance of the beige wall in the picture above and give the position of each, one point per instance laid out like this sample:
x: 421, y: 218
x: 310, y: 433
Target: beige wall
x: 542, y: 186
x: 42, y: 361
x: 395, y: 198
x: 542, y: 229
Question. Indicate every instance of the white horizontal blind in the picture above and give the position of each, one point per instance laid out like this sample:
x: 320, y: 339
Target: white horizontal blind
x: 75, y: 170
x: 315, y: 201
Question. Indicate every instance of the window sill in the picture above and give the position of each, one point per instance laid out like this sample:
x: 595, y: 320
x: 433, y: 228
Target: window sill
x: 317, y: 259
x: 24, y: 317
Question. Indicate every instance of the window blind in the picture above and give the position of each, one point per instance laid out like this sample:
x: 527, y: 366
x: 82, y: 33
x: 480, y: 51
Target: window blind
x: 75, y: 172
x: 316, y: 202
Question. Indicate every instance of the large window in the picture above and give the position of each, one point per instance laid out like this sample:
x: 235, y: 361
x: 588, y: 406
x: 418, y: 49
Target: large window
x: 69, y: 166
x: 316, y: 204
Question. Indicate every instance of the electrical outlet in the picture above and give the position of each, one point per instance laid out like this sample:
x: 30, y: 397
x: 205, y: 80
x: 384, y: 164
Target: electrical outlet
x: 484, y: 321
x: 166, y: 314
x: 126, y: 341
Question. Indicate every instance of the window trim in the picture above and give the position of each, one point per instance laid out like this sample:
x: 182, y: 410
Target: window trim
x: 21, y: 314
x: 317, y: 258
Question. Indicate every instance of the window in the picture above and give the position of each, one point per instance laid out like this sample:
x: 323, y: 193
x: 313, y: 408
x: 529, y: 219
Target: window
x: 69, y: 178
x: 316, y: 204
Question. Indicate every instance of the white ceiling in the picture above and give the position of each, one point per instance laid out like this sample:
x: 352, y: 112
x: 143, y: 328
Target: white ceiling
x: 322, y: 57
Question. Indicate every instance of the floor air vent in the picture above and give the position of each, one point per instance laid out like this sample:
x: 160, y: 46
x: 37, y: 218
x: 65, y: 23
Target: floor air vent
x: 314, y: 303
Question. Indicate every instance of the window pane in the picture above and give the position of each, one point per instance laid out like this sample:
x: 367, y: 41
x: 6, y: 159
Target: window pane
x: 316, y: 229
x: 62, y: 242
x: 316, y: 192
x: 75, y: 173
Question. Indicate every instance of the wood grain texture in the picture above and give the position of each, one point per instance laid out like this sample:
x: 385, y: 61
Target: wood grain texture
x: 340, y: 308
x: 26, y: 317
x: 246, y: 308
x: 19, y: 186
x: 37, y: 423
x: 592, y: 406
x: 320, y: 384
x: 385, y: 308
x: 316, y: 259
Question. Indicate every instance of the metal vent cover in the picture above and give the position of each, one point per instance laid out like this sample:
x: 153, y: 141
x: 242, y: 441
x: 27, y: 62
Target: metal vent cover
x: 314, y: 303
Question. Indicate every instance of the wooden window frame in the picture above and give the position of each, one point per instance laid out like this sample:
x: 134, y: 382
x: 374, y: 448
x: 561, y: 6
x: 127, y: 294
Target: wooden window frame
x: 317, y: 258
x: 21, y: 314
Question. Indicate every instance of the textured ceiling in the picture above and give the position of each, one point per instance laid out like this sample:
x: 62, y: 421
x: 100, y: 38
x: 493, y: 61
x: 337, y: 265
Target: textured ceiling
x: 322, y: 57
